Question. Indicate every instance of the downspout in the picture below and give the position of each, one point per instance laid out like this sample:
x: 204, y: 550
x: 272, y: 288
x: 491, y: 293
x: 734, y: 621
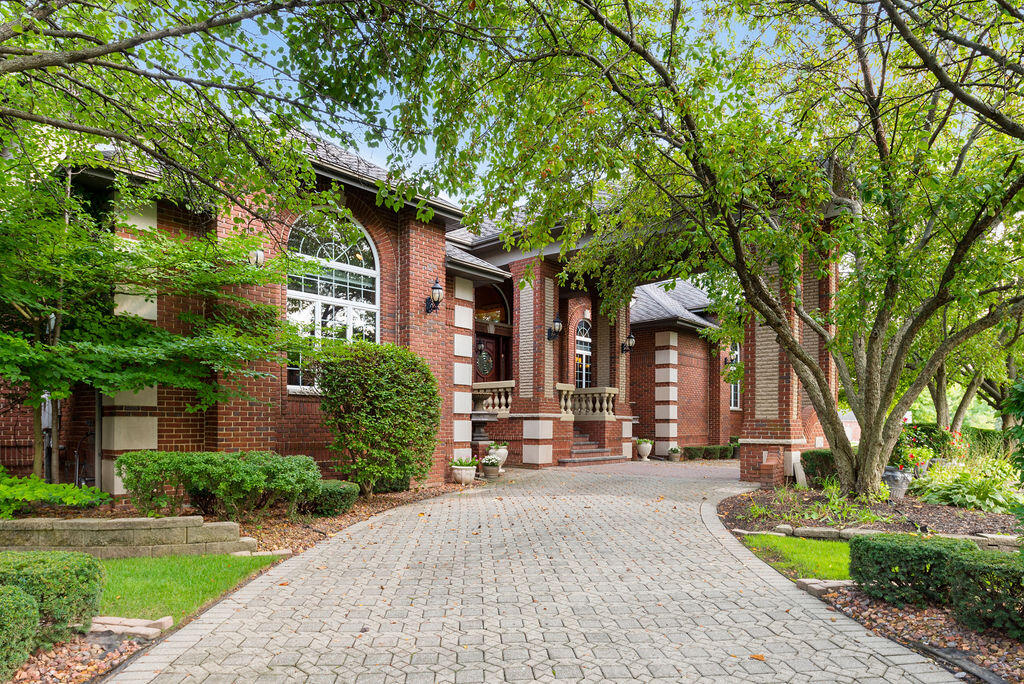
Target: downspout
x: 97, y: 442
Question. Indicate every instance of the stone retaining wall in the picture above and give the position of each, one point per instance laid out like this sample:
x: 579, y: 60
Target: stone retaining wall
x: 124, y: 537
x: 995, y: 542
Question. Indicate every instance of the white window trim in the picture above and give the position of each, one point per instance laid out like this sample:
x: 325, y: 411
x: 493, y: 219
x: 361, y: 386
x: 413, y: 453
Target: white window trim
x: 588, y: 355
x: 350, y: 306
x: 735, y: 391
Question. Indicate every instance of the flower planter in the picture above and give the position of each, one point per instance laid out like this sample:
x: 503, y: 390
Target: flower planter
x: 502, y: 453
x: 463, y: 474
x: 897, y: 480
x: 643, y: 450
x: 491, y: 471
x: 674, y: 456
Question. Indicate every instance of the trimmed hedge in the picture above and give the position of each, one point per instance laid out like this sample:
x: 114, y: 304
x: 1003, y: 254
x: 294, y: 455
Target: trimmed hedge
x: 216, y: 482
x: 692, y: 453
x: 987, y: 590
x: 19, y: 620
x: 66, y: 586
x: 903, y: 568
x: 335, y: 497
x: 392, y: 484
x: 818, y: 463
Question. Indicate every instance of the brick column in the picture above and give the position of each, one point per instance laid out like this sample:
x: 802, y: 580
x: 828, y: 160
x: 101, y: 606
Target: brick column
x: 530, y: 428
x: 666, y: 391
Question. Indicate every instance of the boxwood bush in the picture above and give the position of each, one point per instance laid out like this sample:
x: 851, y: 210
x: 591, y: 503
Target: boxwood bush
x: 818, y: 463
x: 692, y: 453
x: 382, y: 404
x: 987, y: 590
x: 334, y: 498
x: 19, y: 620
x: 66, y: 586
x: 227, y: 483
x: 903, y: 568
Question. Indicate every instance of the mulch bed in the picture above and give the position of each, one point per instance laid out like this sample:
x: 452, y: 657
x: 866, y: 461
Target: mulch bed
x: 277, y: 531
x: 909, y: 515
x: 934, y: 626
x: 79, y: 660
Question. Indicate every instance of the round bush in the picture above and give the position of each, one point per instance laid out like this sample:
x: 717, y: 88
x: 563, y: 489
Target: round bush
x: 65, y: 584
x: 334, y: 498
x: 382, y: 405
x: 19, y: 620
x: 818, y: 463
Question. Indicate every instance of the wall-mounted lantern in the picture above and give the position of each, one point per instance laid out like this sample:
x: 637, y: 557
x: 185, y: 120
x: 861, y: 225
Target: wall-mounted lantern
x: 257, y: 257
x: 628, y: 345
x: 556, y: 328
x: 436, y: 293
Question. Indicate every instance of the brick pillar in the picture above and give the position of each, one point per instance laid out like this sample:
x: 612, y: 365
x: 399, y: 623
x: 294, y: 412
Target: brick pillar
x: 434, y: 336
x: 666, y: 391
x: 531, y: 426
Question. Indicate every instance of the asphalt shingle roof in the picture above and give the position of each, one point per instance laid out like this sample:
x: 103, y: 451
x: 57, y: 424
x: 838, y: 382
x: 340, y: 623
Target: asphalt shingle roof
x: 463, y: 257
x: 652, y: 302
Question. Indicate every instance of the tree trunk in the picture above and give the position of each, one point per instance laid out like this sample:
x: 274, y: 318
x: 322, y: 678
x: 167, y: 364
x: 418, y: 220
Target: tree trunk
x: 957, y: 423
x: 937, y: 388
x: 37, y: 441
x: 55, y: 442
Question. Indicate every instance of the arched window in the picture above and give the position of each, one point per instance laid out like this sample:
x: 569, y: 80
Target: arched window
x: 584, y: 345
x: 734, y: 388
x: 339, y: 298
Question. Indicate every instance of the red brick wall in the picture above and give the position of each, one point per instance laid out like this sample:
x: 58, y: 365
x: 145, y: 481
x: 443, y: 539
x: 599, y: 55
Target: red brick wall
x: 693, y: 389
x: 641, y: 383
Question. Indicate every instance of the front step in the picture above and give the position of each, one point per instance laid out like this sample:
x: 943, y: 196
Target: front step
x: 589, y: 460
x: 590, y: 450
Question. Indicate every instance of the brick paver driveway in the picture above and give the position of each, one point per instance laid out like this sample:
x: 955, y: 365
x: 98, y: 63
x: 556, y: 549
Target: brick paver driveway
x: 612, y: 573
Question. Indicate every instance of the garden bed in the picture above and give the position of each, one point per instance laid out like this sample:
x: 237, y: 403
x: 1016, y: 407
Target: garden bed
x: 763, y: 509
x: 935, y: 627
x: 278, y: 531
x: 82, y: 659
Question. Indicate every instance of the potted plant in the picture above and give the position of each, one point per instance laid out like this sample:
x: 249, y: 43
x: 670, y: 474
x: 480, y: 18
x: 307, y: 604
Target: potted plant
x: 643, y: 448
x: 897, y: 480
x: 464, y: 470
x: 500, y: 449
x: 674, y: 453
x: 491, y: 464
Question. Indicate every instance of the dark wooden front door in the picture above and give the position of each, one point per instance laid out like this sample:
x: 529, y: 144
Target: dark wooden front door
x: 491, y: 360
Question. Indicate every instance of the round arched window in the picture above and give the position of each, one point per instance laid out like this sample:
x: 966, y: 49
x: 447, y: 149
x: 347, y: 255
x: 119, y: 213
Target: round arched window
x: 339, y: 298
x: 584, y: 346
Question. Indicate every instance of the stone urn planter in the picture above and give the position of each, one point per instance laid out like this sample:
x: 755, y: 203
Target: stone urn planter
x: 643, y: 450
x: 674, y: 454
x: 897, y: 481
x: 491, y: 465
x: 463, y: 474
x: 500, y: 449
x: 491, y: 472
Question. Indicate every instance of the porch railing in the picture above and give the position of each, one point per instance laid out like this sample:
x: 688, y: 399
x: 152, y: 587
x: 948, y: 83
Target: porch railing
x: 493, y: 397
x: 565, y: 391
x: 594, y: 403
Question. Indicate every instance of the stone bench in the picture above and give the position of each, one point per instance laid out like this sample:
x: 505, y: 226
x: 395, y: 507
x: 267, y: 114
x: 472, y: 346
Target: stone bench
x: 124, y: 537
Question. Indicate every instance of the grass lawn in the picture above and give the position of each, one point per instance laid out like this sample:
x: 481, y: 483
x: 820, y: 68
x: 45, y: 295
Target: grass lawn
x: 173, y: 585
x: 796, y: 557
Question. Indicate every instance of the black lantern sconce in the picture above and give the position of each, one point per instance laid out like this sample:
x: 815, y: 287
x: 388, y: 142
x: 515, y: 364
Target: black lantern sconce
x: 556, y: 328
x: 628, y: 345
x: 480, y: 347
x: 730, y: 360
x: 436, y: 293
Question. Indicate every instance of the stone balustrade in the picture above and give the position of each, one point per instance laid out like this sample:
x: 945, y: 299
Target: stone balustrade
x: 594, y: 403
x: 124, y: 537
x: 565, y: 391
x: 493, y: 397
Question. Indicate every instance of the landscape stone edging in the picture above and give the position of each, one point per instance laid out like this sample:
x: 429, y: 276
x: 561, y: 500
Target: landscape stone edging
x: 996, y: 542
x: 124, y: 537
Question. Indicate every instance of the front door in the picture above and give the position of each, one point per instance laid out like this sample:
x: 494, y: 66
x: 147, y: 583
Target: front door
x: 491, y: 358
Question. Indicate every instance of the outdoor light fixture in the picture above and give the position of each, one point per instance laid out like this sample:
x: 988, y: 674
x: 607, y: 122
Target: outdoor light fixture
x: 556, y: 328
x: 257, y: 257
x: 480, y: 347
x: 628, y: 345
x: 729, y: 360
x: 434, y: 300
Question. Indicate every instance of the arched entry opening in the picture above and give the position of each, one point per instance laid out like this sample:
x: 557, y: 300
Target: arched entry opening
x: 493, y: 323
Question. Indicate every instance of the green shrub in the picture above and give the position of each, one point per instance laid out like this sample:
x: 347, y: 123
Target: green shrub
x: 66, y: 586
x: 903, y: 568
x: 986, y: 484
x: 19, y: 620
x: 818, y: 463
x: 22, y: 493
x: 334, y: 498
x: 987, y: 590
x: 692, y: 453
x: 382, y: 404
x: 393, y: 484
x: 216, y: 482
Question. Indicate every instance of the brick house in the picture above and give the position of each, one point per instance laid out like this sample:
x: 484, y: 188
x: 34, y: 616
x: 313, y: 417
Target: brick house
x: 537, y: 365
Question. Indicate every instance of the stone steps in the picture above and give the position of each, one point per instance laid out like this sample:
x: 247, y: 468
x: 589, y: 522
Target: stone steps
x: 578, y: 460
